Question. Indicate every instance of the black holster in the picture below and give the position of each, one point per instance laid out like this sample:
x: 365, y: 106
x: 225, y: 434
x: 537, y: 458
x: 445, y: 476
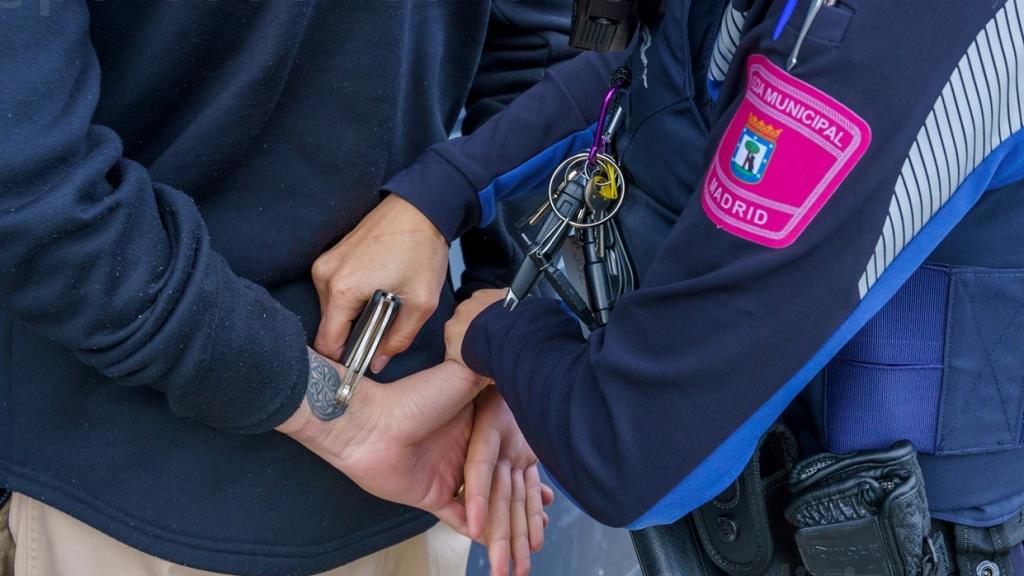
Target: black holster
x: 742, y: 532
x: 861, y: 514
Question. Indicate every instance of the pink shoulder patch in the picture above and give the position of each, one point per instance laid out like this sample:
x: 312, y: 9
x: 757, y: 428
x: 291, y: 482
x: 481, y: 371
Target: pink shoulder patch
x: 785, y: 152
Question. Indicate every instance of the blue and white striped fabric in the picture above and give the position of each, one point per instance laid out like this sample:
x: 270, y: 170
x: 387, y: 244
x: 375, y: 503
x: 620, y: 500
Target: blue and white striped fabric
x: 981, y: 106
x: 725, y: 46
x: 729, y: 35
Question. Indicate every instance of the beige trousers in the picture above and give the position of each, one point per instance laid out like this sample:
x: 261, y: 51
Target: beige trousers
x: 6, y: 542
x: 51, y: 543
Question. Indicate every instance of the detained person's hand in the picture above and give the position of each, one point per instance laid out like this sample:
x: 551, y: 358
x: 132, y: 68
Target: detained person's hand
x: 455, y: 328
x: 395, y: 248
x: 405, y: 441
x: 505, y: 498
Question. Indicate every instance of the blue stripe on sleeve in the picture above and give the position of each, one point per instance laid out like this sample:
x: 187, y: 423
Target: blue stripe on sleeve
x: 726, y: 463
x: 532, y: 174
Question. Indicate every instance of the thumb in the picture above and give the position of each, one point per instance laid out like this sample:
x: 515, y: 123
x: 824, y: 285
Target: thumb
x: 454, y: 515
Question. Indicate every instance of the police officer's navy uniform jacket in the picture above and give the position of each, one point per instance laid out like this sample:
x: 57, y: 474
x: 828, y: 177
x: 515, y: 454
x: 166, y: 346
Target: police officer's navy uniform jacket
x: 769, y: 236
x: 168, y: 173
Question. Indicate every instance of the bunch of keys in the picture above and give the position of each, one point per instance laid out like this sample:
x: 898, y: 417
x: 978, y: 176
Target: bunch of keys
x: 369, y: 329
x: 584, y: 195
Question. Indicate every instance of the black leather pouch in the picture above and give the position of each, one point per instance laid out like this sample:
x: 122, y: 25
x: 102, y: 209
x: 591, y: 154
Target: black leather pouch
x: 861, y: 513
x: 739, y: 533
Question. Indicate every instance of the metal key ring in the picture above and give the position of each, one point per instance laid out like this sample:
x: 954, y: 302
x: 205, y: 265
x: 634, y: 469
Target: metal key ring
x: 565, y: 169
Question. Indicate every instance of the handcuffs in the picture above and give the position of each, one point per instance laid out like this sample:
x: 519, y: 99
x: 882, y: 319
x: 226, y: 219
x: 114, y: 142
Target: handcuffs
x: 362, y: 343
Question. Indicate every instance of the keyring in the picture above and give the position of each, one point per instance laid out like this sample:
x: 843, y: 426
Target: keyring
x: 565, y: 168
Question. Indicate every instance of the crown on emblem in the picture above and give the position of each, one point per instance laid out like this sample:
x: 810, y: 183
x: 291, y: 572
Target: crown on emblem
x: 766, y: 131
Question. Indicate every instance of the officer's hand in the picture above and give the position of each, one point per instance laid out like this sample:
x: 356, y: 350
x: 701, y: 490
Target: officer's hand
x: 455, y: 328
x: 395, y: 248
x: 505, y: 498
x: 405, y: 441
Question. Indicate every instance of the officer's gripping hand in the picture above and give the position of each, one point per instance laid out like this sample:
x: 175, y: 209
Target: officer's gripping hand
x: 505, y: 498
x: 395, y: 248
x: 455, y: 328
x: 405, y: 441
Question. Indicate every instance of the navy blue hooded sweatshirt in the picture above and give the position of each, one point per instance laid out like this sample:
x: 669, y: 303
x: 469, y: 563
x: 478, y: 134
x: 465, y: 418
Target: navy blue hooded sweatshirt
x: 168, y: 173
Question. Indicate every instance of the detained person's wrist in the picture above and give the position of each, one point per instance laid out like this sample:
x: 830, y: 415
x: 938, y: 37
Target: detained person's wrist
x: 319, y: 424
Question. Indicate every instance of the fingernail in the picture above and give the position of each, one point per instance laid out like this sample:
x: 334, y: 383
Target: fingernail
x: 379, y: 363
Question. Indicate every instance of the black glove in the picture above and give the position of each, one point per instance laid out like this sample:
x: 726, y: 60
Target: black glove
x: 863, y: 513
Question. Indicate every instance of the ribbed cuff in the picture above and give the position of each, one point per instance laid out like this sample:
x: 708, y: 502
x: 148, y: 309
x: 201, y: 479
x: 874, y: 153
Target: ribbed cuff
x: 439, y: 190
x: 256, y: 368
x: 476, y: 344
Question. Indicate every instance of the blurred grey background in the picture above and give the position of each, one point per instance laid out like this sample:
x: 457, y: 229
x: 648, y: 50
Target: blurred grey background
x: 574, y: 545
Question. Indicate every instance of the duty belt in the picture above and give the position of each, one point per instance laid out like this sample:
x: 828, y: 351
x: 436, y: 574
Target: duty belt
x: 858, y: 514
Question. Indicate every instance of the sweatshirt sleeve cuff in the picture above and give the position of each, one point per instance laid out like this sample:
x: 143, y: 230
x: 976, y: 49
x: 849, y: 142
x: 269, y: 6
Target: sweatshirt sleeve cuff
x: 476, y: 345
x: 251, y: 367
x: 440, y: 191
x: 275, y: 343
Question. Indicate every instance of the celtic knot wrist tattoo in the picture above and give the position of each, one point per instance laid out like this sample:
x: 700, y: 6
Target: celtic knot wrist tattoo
x: 323, y: 388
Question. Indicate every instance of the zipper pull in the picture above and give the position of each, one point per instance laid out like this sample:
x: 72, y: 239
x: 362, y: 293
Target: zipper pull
x: 812, y: 13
